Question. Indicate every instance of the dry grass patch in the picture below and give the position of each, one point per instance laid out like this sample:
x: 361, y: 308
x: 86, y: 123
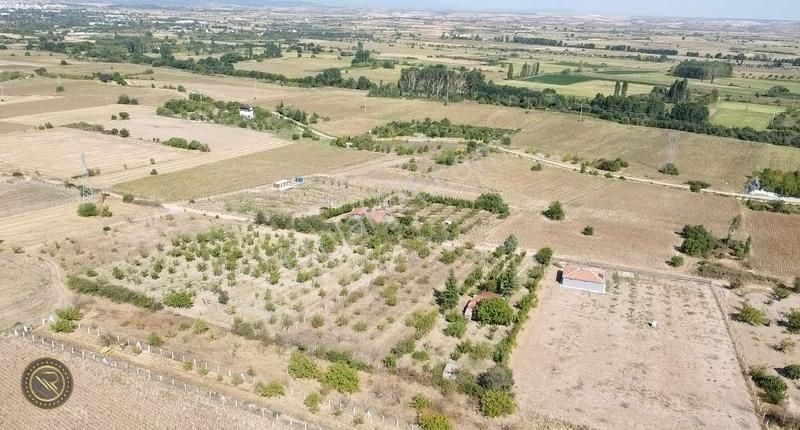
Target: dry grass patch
x: 245, y: 172
x: 582, y: 356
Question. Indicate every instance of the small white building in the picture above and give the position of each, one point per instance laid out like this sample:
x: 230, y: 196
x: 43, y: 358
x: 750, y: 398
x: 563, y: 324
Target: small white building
x: 283, y: 184
x: 247, y: 112
x: 580, y: 278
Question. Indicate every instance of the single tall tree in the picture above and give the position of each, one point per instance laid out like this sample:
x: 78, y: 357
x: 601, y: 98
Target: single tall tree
x: 448, y: 297
x: 510, y: 71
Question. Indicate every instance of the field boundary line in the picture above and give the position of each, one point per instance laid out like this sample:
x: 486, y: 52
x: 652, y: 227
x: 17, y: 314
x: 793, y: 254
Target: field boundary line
x: 758, y: 406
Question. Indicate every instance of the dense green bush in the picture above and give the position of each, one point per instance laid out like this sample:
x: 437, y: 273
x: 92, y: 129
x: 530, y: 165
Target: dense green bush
x: 696, y: 186
x: 492, y: 202
x: 456, y: 328
x: 773, y: 386
x: 341, y: 378
x: 676, y: 261
x: 429, y: 420
x: 554, y: 212
x: 302, y: 367
x: 792, y: 371
x: 669, y: 169
x: 70, y: 313
x: 750, y: 315
x: 422, y: 322
x: 312, y: 402
x: 115, y: 293
x: 63, y: 326
x: 123, y: 99
x: 611, y: 165
x: 179, y: 299
x: 494, y: 311
x: 497, y: 403
x: 87, y: 210
x: 153, y: 339
x: 497, y: 377
x: 588, y: 231
x: 543, y: 256
x: 127, y: 198
x: 179, y: 142
x: 697, y: 241
x: 793, y: 320
x: 272, y: 389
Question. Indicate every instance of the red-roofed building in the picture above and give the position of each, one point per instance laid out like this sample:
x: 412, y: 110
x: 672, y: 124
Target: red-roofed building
x: 584, y: 279
x: 473, y: 303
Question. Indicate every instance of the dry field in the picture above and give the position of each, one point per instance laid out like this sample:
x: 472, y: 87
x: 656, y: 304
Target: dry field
x: 77, y: 94
x: 32, y: 288
x: 775, y: 248
x: 104, y: 397
x: 56, y: 222
x: 293, y: 67
x: 316, y: 192
x: 20, y: 196
x: 759, y: 342
x: 596, y: 360
x: 58, y: 152
x: 635, y: 224
x: 246, y: 171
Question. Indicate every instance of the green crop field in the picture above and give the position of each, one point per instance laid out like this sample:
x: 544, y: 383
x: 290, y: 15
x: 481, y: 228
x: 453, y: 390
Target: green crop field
x: 731, y: 114
x: 560, y: 79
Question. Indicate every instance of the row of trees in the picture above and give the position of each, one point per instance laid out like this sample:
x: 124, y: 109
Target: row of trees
x: 696, y: 69
x: 786, y: 184
x: 443, y: 128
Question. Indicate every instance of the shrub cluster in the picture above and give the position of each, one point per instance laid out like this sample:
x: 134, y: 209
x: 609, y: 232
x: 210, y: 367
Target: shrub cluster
x: 115, y: 293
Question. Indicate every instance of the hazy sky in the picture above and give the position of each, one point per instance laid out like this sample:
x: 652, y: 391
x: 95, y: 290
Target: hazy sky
x: 756, y: 9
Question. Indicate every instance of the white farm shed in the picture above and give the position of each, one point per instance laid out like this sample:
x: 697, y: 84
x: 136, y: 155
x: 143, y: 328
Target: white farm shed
x: 584, y: 279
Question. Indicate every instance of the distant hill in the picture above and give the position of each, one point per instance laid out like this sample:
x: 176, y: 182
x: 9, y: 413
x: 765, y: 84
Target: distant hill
x: 195, y: 3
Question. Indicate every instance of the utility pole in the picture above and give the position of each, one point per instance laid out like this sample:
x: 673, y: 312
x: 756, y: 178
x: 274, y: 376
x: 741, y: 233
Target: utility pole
x: 87, y: 193
x: 580, y: 117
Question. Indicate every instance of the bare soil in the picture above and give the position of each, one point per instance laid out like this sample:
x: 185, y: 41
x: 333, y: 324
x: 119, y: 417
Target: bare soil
x: 595, y: 359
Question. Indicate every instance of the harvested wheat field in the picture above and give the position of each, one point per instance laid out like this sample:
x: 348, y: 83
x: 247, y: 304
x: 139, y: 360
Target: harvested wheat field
x: 57, y: 222
x: 20, y: 196
x: 247, y: 171
x: 595, y: 359
x: 100, y: 394
x: 77, y: 94
x: 772, y: 252
x: 34, y: 288
x: 58, y: 153
x: 219, y: 138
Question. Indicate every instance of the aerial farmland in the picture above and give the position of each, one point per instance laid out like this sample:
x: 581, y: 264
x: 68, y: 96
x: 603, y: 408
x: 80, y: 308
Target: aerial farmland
x: 321, y: 218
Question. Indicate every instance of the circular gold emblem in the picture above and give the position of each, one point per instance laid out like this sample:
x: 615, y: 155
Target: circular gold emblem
x: 47, y: 383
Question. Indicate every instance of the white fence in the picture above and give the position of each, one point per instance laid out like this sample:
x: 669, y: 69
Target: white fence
x: 346, y: 408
